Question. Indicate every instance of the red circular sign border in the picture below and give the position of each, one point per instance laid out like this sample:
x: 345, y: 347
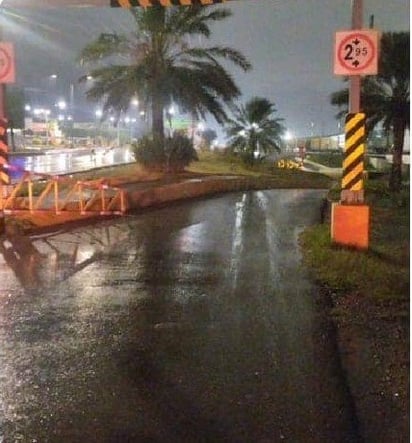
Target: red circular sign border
x: 349, y: 37
x: 8, y: 60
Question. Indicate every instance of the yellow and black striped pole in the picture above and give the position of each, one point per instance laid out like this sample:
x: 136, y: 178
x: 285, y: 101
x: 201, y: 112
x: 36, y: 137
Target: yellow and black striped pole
x: 4, y: 175
x: 353, y: 168
x: 350, y: 218
x: 147, y: 3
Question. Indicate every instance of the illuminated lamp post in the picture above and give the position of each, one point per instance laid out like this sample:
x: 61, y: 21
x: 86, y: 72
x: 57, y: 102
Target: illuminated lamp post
x: 289, y: 137
x: 169, y: 114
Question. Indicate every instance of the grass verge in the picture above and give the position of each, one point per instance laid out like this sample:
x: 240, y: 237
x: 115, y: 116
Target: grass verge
x: 369, y: 292
x: 382, y: 272
x: 217, y: 164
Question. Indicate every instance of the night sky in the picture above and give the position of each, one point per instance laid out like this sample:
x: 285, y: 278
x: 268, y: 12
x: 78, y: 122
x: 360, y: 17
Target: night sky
x: 289, y: 43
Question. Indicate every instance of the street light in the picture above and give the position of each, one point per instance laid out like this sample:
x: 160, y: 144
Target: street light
x: 312, y: 126
x: 62, y: 105
x: 129, y: 122
x: 169, y: 114
x: 289, y: 137
x: 72, y: 91
x: 113, y: 120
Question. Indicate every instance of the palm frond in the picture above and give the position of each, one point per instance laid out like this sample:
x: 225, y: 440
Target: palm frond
x: 254, y: 128
x: 160, y: 65
x: 106, y: 45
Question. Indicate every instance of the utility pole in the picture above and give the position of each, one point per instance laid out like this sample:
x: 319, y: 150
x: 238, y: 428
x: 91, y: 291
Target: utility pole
x: 4, y: 175
x: 355, y: 80
x: 348, y: 196
x: 3, y: 152
x: 356, y: 54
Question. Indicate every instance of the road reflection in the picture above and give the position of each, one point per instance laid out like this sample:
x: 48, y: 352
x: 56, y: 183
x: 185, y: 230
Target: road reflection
x: 63, y: 162
x: 44, y: 261
x: 185, y: 324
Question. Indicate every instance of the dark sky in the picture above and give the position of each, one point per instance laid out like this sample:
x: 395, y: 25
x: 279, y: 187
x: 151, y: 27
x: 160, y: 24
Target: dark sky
x: 289, y: 42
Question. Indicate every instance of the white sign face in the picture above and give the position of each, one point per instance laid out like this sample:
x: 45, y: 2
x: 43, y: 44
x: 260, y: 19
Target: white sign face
x: 7, y: 71
x: 356, y: 52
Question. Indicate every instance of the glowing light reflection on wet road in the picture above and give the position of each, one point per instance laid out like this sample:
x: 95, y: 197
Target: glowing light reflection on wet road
x: 186, y: 324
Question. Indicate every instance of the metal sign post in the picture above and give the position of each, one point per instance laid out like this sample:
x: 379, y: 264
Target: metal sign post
x: 7, y: 75
x: 356, y: 54
x: 355, y: 80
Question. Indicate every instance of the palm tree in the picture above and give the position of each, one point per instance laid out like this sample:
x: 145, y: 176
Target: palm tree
x: 255, y: 129
x: 385, y: 97
x: 159, y: 64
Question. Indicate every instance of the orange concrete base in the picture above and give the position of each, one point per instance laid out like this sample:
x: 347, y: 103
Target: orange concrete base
x: 350, y: 225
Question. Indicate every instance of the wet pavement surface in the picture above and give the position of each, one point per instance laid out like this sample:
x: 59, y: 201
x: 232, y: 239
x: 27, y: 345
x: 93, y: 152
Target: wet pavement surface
x: 64, y: 161
x: 194, y: 323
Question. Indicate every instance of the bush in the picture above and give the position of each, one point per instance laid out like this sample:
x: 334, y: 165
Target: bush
x: 248, y: 158
x: 172, y: 154
x: 149, y: 152
x: 179, y: 152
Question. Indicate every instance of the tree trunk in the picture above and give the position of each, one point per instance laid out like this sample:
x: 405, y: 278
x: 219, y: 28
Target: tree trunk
x: 12, y: 139
x: 395, y: 180
x: 157, y: 118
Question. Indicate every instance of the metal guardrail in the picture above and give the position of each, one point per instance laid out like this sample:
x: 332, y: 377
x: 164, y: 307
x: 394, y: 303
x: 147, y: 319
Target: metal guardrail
x: 56, y: 194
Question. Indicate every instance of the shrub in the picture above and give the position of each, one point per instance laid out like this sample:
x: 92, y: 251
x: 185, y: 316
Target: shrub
x: 179, y: 152
x: 172, y: 154
x: 149, y: 152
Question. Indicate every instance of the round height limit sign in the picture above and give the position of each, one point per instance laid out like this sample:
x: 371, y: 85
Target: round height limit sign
x: 356, y: 52
x: 7, y: 70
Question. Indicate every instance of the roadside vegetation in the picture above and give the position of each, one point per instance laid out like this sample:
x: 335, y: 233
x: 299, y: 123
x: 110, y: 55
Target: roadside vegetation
x: 367, y: 293
x: 171, y: 154
x: 380, y: 273
x: 216, y: 163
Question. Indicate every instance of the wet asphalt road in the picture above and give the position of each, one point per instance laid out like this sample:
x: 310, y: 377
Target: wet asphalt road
x: 69, y: 160
x: 193, y: 323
